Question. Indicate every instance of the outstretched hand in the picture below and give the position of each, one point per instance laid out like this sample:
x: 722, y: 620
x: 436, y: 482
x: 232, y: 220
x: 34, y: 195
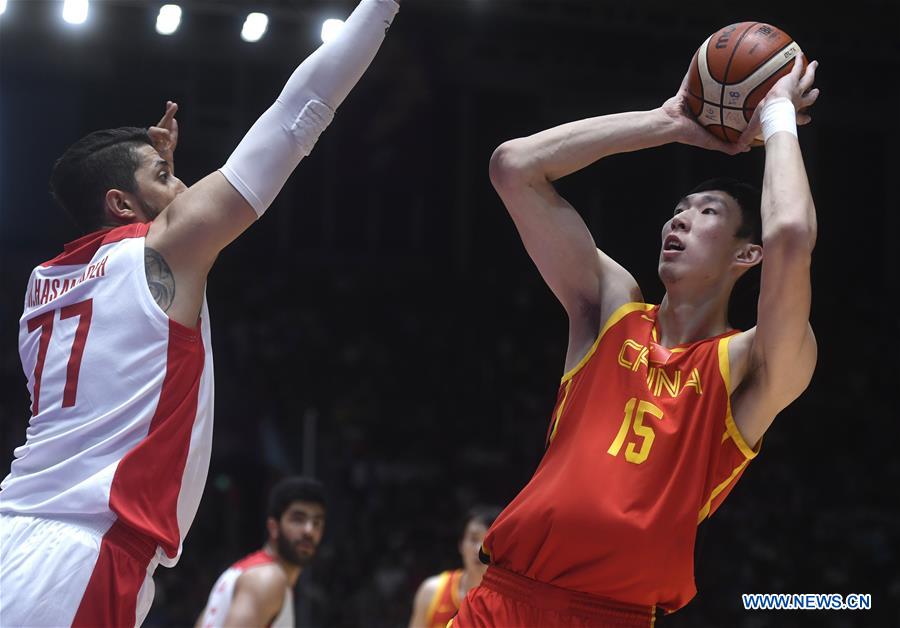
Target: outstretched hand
x: 690, y: 131
x: 165, y: 134
x: 796, y: 86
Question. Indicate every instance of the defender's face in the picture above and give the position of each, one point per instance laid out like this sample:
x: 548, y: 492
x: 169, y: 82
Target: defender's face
x: 698, y: 241
x: 300, y: 531
x: 469, y: 545
x: 156, y: 185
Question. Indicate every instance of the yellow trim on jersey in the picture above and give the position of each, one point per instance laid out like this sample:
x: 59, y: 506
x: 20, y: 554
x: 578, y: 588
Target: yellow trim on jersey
x: 454, y: 586
x: 731, y: 430
x: 450, y: 623
x: 432, y: 606
x: 559, y: 411
x: 704, y: 512
x: 618, y: 315
x: 730, y: 426
x: 725, y: 367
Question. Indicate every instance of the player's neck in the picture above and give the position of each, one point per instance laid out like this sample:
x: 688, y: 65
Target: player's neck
x: 683, y: 319
x: 470, y: 579
x: 291, y: 570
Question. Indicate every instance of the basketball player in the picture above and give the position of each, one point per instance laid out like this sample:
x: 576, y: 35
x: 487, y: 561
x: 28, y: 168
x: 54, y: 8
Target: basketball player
x: 115, y: 343
x: 258, y: 589
x: 438, y: 597
x: 661, y: 406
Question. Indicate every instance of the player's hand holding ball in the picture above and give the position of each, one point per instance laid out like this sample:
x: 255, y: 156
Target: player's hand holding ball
x: 796, y: 86
x: 690, y: 131
x: 730, y: 77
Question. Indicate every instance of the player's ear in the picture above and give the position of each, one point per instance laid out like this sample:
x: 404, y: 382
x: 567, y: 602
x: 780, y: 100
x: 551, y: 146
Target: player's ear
x: 749, y: 255
x: 272, y: 527
x: 119, y: 207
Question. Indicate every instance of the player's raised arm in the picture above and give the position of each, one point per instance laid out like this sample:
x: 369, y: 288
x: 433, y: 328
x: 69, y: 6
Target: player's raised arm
x: 783, y: 348
x: 201, y: 221
x: 589, y: 284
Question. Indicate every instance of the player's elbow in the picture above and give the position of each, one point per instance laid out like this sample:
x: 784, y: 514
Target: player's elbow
x: 509, y: 167
x: 796, y: 237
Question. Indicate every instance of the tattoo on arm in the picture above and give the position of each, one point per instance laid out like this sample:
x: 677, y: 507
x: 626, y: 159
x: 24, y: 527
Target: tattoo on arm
x: 159, y: 278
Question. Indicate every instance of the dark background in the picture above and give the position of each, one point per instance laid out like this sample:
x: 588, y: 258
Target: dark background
x: 382, y: 326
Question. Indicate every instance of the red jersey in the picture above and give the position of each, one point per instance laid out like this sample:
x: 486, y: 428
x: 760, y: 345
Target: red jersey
x: 445, y: 602
x: 641, y: 448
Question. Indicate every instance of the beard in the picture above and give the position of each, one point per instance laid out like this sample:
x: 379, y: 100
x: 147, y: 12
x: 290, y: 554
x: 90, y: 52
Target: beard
x: 291, y: 553
x: 150, y: 209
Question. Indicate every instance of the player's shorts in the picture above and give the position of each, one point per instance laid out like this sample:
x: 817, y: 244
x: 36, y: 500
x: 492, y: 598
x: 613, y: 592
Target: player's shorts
x: 73, y: 573
x: 508, y: 599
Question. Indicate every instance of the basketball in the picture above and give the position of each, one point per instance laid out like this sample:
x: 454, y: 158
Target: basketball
x: 733, y: 70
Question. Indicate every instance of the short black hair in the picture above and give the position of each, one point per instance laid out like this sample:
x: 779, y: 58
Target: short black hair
x: 294, y: 489
x: 485, y: 515
x: 98, y: 162
x: 749, y: 199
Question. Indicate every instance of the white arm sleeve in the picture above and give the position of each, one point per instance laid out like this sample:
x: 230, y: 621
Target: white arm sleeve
x: 288, y: 130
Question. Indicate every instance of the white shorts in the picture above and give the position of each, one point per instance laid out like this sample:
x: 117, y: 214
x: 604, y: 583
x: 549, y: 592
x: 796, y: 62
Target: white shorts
x: 73, y: 573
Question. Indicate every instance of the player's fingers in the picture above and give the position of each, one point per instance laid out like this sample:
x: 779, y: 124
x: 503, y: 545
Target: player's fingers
x: 753, y: 127
x: 803, y: 118
x: 160, y: 137
x: 808, y: 99
x: 809, y: 77
x: 797, y: 68
x: 747, y: 137
x: 729, y: 148
x: 169, y: 115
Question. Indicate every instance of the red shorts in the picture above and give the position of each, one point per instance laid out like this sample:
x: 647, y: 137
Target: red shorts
x: 508, y: 599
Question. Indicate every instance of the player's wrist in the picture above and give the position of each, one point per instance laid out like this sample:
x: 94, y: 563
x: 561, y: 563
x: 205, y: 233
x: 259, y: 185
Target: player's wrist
x: 670, y: 126
x: 778, y: 114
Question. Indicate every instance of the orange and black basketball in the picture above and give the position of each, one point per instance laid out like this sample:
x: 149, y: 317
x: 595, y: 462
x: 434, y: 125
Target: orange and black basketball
x: 733, y: 70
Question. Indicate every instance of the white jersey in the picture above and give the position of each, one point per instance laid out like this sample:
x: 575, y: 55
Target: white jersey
x: 121, y: 396
x: 223, y: 591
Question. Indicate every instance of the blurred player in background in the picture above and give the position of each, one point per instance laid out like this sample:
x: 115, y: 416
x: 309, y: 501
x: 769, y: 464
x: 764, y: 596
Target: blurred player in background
x: 115, y: 343
x: 661, y: 406
x: 438, y: 597
x: 258, y: 589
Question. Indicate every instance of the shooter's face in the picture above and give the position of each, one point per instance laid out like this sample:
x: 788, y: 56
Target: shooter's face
x: 157, y: 187
x: 299, y: 532
x: 699, y: 243
x: 469, y: 545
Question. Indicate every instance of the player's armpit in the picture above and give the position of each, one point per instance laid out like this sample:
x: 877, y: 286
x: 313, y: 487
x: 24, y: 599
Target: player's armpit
x: 761, y: 391
x: 190, y: 233
x: 200, y: 222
